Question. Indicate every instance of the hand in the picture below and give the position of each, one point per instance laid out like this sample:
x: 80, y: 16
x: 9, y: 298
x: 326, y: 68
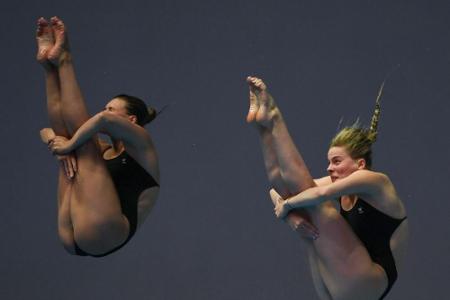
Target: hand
x: 47, y: 135
x: 60, y: 145
x: 301, y: 225
x: 69, y: 163
x: 282, y: 208
x: 295, y: 219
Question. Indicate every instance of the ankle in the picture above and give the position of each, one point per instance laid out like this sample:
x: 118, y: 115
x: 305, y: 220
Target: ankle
x: 277, y: 117
x: 65, y: 58
x: 48, y: 66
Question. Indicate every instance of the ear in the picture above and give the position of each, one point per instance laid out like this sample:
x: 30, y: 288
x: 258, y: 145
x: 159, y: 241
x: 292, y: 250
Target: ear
x: 361, y: 163
x: 133, y: 119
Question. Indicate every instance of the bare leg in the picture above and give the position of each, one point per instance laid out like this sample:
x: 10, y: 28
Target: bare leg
x: 44, y: 38
x: 261, y: 113
x: 270, y: 154
x: 292, y: 168
x: 345, y: 267
x: 98, y: 223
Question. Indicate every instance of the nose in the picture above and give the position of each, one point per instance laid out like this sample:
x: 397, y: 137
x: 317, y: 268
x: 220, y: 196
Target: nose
x: 330, y: 168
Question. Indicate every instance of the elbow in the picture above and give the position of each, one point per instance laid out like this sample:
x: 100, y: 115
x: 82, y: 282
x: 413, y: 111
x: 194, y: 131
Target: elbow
x: 103, y: 119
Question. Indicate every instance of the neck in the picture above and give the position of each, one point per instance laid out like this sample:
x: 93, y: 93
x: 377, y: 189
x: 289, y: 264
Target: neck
x: 117, y: 145
x: 351, y: 198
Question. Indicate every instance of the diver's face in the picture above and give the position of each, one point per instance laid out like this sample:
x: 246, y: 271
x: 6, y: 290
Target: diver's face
x: 118, y: 107
x: 341, y: 164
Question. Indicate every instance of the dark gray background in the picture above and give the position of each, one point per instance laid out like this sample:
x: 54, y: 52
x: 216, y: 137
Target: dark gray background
x: 212, y: 234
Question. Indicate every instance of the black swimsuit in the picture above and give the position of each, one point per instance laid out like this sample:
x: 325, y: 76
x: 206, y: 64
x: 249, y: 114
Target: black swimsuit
x: 130, y: 180
x: 375, y: 229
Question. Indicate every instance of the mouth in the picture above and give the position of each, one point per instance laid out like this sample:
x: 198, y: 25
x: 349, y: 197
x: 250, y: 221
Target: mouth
x: 333, y: 178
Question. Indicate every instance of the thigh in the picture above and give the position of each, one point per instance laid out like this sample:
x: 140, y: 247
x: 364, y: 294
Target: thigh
x: 321, y: 288
x: 95, y: 209
x: 65, y: 228
x: 343, y: 261
x: 93, y: 188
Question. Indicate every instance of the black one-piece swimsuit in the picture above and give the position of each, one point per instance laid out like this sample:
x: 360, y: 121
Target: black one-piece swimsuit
x: 375, y: 230
x: 130, y: 180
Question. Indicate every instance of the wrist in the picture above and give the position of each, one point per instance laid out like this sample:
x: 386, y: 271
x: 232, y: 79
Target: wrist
x: 70, y: 145
x: 288, y: 205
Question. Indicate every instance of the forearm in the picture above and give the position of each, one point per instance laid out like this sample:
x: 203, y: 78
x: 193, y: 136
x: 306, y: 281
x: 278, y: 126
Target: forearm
x: 309, y: 197
x: 86, y: 131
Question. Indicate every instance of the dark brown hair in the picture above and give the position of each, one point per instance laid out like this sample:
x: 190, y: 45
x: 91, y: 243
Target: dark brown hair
x: 135, y: 106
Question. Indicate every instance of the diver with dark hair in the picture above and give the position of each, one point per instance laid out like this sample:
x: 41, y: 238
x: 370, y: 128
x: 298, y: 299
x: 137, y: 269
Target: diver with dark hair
x: 105, y: 190
x: 354, y: 252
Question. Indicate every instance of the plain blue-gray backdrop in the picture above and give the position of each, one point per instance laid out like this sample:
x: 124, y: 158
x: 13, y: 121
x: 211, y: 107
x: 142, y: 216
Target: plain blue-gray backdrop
x: 212, y: 233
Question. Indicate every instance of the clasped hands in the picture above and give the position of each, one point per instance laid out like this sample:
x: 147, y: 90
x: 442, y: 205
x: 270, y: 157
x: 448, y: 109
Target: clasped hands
x: 295, y: 220
x: 62, y: 148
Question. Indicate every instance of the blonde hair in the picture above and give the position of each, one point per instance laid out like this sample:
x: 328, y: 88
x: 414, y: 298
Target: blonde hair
x: 357, y: 139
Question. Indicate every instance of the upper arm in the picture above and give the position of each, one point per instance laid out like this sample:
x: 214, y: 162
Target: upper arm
x: 322, y: 181
x: 361, y: 182
x: 120, y: 128
x: 136, y: 139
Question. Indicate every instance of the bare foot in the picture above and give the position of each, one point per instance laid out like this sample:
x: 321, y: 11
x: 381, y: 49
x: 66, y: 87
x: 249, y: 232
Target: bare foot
x: 254, y: 106
x: 44, y: 39
x: 61, y: 45
x: 262, y: 106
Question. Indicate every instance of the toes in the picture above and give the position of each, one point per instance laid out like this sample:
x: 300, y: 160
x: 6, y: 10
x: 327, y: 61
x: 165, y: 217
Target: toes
x: 57, y: 23
x: 42, y: 22
x: 257, y: 82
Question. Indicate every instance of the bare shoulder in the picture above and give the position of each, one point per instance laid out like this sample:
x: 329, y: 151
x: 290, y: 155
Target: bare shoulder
x: 381, y: 180
x: 386, y: 199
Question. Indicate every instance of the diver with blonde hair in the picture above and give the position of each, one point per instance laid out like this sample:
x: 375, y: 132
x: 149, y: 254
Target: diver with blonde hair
x: 354, y: 252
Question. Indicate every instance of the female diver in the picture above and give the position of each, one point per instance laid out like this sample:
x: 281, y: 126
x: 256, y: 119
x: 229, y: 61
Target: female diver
x: 105, y: 191
x: 354, y: 252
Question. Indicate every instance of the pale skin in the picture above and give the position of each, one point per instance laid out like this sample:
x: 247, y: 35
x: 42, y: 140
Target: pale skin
x: 89, y: 211
x: 340, y: 265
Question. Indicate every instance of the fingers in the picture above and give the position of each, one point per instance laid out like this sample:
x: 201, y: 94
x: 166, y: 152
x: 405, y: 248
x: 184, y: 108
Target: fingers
x: 53, y: 147
x: 256, y: 82
x: 70, y: 168
x: 66, y: 168
x: 275, y: 197
x: 307, y: 230
x: 74, y: 163
x: 70, y: 165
